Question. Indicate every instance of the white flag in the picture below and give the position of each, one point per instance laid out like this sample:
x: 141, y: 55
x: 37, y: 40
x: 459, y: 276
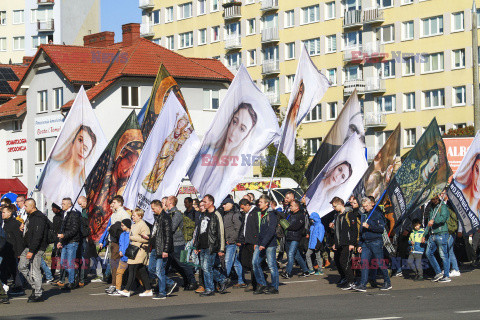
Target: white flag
x: 245, y: 124
x: 339, y: 176
x: 308, y: 89
x: 165, y: 158
x: 76, y: 150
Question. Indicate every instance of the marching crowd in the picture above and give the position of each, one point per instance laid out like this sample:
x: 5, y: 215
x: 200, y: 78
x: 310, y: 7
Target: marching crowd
x: 221, y: 245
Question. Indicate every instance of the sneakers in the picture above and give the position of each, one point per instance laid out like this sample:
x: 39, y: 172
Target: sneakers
x: 398, y: 274
x: 110, y: 289
x: 60, y: 284
x: 200, y: 289
x: 286, y: 275
x: 207, y: 294
x: 33, y: 299
x: 260, y: 290
x: 125, y: 294
x: 159, y: 296
x: 348, y: 286
x: 115, y: 293
x: 240, y: 286
x: 319, y: 272
x: 455, y: 273
x: 223, y: 286
x: 271, y: 290
x: 360, y: 288
x: 311, y: 272
x: 146, y: 294
x: 445, y: 279
x: 50, y: 281
x: 386, y: 287
x: 170, y: 289
x: 81, y: 284
x: 97, y: 279
x: 305, y: 274
x: 437, y: 277
x: 5, y: 300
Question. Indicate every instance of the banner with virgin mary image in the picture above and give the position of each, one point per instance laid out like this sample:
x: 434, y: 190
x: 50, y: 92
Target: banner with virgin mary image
x: 76, y: 150
x: 339, y: 176
x: 244, y: 125
x: 349, y: 120
x: 110, y: 174
x: 464, y: 191
x: 309, y: 87
x: 423, y: 174
x: 165, y: 158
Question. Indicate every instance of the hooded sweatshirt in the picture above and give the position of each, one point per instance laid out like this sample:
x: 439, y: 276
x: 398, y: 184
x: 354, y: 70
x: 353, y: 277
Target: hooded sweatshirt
x: 317, y: 231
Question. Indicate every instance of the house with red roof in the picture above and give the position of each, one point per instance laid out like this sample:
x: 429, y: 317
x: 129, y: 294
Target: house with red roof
x: 118, y: 78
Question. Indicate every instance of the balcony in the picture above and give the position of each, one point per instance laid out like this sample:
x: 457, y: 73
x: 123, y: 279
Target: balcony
x: 374, y: 85
x: 374, y: 15
x: 350, y: 85
x: 146, y: 30
x: 45, y: 2
x: 233, y: 42
x: 45, y: 26
x: 232, y: 10
x: 270, y: 67
x: 353, y: 54
x: 375, y: 120
x: 352, y: 18
x: 273, y: 98
x: 270, y: 35
x: 268, y: 5
x: 146, y: 4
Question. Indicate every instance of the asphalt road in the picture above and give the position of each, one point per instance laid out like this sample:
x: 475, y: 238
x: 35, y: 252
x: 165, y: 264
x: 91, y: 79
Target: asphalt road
x: 300, y: 298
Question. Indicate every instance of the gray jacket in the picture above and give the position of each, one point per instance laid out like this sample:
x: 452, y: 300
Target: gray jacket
x: 232, y: 222
x: 177, y: 226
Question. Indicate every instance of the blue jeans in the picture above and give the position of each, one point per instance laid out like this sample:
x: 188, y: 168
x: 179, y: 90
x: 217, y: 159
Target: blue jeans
x: 231, y: 259
x: 451, y: 254
x: 439, y: 241
x: 191, y: 254
x: 69, y: 254
x: 372, y: 258
x: 85, y: 268
x: 207, y: 261
x: 293, y: 253
x: 163, y: 280
x: 46, y: 270
x: 152, y: 264
x: 258, y: 256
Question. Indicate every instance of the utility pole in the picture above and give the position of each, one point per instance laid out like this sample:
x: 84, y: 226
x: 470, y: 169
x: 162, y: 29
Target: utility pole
x: 476, y: 89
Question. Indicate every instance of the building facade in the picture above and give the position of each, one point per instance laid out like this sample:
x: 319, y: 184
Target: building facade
x: 409, y: 60
x: 26, y: 24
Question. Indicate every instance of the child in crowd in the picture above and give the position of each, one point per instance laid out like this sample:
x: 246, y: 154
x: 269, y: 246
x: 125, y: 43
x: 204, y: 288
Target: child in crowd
x: 123, y: 243
x: 317, y: 232
x: 416, y: 250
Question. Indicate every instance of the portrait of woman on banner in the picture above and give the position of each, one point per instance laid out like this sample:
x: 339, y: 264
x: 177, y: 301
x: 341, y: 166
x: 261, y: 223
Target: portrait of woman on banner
x: 469, y: 177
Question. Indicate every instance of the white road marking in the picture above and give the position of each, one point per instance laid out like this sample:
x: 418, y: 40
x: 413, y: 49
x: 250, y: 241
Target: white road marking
x: 468, y: 311
x: 13, y: 298
x: 299, y: 281
x: 97, y: 294
x: 384, y: 318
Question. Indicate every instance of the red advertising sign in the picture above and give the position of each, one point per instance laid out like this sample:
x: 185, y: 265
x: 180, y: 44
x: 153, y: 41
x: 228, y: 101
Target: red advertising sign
x: 16, y: 145
x: 456, y: 150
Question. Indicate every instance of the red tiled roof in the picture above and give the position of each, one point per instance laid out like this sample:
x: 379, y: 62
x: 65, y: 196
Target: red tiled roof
x: 20, y: 71
x: 14, y: 107
x: 12, y: 185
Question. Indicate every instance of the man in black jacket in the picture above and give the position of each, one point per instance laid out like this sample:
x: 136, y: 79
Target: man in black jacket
x: 57, y: 226
x: 35, y: 233
x: 12, y: 249
x: 247, y: 239
x: 232, y: 222
x: 69, y: 238
x: 293, y: 235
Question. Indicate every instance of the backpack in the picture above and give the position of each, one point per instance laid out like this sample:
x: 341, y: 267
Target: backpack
x: 84, y: 227
x: 51, y: 235
x: 115, y: 231
x: 452, y: 222
x: 188, y: 228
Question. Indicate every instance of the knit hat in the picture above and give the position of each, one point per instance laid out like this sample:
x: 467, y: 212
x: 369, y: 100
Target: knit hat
x: 127, y: 223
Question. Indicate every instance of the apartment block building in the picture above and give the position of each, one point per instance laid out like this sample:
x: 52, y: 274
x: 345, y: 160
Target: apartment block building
x: 410, y: 60
x: 26, y: 24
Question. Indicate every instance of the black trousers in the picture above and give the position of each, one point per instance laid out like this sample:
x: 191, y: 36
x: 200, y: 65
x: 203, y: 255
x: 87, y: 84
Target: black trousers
x: 343, y: 262
x: 139, y: 270
x: 246, y: 258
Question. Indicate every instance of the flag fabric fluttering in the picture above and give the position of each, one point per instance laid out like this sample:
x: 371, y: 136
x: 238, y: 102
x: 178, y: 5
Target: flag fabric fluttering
x: 349, y: 120
x: 165, y: 158
x: 141, y: 114
x: 76, y: 150
x: 463, y: 191
x: 424, y: 173
x: 338, y: 177
x: 110, y: 174
x: 244, y: 125
x: 309, y: 87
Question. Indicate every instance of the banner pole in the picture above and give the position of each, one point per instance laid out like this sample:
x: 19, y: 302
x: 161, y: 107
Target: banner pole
x: 273, y: 170
x: 376, y: 205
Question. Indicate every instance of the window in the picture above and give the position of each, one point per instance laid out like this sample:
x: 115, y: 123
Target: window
x: 441, y: 128
x: 313, y: 144
x: 331, y: 43
x: 289, y: 79
x: 385, y: 103
x: 130, y: 96
x: 434, y: 98
x: 459, y: 126
x: 290, y: 51
x: 17, y: 125
x: 331, y: 111
x: 270, y: 87
x: 215, y: 34
x: 310, y: 14
x: 233, y: 59
x: 313, y: 46
x: 202, y: 7
x: 170, y: 43
x: 270, y: 53
x: 352, y: 73
x: 433, y: 62
x: 332, y: 76
x: 289, y: 19
x: 157, y: 41
x: 457, y: 21
x: 3, y: 18
x: 168, y: 14
x: 17, y: 167
x: 459, y: 96
x: 409, y: 101
x: 18, y: 16
x: 410, y: 137
x: 388, y: 69
x: 185, y: 40
x: 269, y: 21
x: 407, y: 30
x: 155, y: 18
x: 202, y: 36
x: 41, y: 15
x: 330, y: 10
x: 458, y: 59
x: 214, y: 5
x: 57, y: 98
x: 407, y: 1
x: 211, y: 99
x: 251, y: 26
x: 41, y: 150
x: 387, y: 34
x: 18, y: 43
x: 42, y: 101
x: 384, y: 3
x: 315, y: 114
x: 251, y: 58
x: 3, y: 44
x: 432, y: 26
x: 409, y: 66
x: 352, y: 40
x: 38, y: 40
x: 184, y: 10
